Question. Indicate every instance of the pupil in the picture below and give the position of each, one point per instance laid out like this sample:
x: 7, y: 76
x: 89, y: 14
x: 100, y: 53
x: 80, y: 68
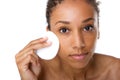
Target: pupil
x: 63, y: 30
x: 87, y: 28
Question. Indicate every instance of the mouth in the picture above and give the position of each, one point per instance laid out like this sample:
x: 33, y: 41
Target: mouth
x: 79, y: 56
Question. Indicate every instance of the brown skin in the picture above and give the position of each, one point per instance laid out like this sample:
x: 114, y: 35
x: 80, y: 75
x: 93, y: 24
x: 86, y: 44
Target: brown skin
x: 71, y: 21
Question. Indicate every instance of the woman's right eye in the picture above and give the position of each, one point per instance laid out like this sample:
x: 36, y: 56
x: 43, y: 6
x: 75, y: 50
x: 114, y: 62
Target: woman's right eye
x: 64, y: 30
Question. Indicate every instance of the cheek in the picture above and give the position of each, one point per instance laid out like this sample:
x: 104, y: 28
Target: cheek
x: 90, y: 41
x: 64, y: 46
x: 64, y: 43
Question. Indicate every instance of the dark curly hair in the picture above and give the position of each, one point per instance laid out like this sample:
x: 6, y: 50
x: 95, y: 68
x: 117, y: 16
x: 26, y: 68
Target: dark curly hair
x: 53, y: 3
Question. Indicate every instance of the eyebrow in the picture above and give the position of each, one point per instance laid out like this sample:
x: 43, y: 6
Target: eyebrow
x: 64, y: 22
x: 67, y: 22
x: 87, y: 20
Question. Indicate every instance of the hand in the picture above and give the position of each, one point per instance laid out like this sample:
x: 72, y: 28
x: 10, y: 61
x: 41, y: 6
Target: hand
x: 28, y: 62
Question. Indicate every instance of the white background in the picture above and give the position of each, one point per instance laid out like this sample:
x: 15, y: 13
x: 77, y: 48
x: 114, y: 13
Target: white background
x: 24, y: 20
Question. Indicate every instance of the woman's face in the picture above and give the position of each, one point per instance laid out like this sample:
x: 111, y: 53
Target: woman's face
x: 75, y: 23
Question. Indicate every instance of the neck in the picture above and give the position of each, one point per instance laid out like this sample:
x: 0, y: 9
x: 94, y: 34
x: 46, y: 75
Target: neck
x: 73, y: 73
x: 60, y: 70
x: 77, y: 73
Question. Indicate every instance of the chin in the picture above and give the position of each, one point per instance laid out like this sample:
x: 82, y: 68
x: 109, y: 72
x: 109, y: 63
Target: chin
x: 82, y: 64
x: 79, y: 65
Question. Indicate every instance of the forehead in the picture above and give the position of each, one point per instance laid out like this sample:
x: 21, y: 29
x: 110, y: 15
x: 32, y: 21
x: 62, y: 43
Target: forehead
x: 74, y: 4
x: 72, y: 9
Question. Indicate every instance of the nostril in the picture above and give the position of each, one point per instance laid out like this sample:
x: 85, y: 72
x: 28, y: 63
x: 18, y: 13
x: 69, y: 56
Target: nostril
x: 82, y: 45
x: 78, y: 40
x: 78, y: 45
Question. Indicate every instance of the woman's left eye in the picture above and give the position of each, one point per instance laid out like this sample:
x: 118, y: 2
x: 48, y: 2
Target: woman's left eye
x: 88, y: 28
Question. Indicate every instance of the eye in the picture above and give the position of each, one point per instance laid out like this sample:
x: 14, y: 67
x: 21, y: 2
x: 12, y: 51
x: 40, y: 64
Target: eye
x: 88, y: 28
x: 64, y: 30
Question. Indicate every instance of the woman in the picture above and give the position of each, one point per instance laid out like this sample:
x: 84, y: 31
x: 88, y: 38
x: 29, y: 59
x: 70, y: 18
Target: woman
x: 76, y: 24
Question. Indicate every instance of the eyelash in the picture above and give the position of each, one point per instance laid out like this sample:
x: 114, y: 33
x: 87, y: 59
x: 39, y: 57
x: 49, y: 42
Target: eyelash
x: 88, y: 28
x: 63, y: 30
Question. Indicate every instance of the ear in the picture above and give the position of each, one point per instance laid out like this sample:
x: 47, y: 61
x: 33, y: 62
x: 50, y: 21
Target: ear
x: 98, y: 35
x: 98, y: 31
x: 47, y: 29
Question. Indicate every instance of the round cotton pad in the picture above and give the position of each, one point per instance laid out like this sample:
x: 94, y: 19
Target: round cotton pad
x: 49, y: 52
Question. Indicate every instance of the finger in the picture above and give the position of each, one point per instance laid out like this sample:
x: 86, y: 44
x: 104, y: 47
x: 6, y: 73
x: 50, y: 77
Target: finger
x: 25, y: 49
x: 33, y: 48
x: 40, y: 40
x: 20, y: 58
x: 24, y: 65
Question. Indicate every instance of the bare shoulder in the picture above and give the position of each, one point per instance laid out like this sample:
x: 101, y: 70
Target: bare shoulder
x: 109, y: 65
x: 107, y: 59
x: 106, y: 67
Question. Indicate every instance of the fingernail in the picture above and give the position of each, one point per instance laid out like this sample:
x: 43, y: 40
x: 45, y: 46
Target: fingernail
x: 49, y: 42
x: 45, y: 37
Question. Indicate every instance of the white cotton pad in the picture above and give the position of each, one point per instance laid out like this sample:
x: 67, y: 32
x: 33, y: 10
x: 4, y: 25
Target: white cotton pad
x: 49, y: 52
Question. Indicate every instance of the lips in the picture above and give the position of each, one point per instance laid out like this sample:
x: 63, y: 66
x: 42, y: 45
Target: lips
x: 78, y: 56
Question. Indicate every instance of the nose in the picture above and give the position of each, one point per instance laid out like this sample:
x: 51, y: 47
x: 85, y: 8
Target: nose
x: 78, y: 41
